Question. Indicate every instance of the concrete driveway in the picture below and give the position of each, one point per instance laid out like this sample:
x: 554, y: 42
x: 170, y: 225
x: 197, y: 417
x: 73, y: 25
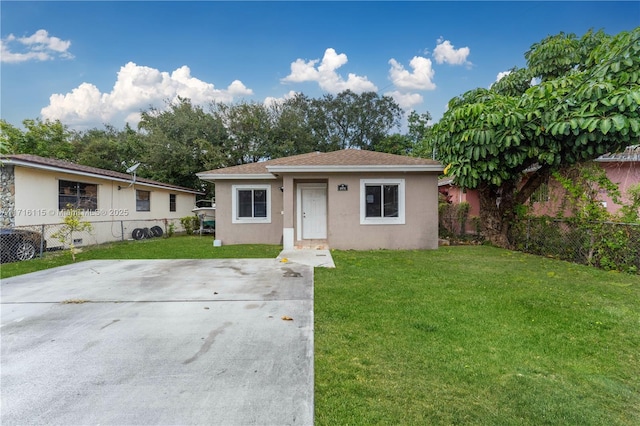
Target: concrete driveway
x: 159, y: 342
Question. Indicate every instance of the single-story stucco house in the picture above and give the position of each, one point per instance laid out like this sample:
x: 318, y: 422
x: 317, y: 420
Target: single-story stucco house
x: 348, y: 199
x: 36, y: 191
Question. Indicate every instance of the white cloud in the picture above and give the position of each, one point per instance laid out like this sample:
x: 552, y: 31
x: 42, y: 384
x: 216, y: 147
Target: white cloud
x: 136, y: 87
x: 39, y: 46
x: 445, y: 52
x: 270, y: 100
x: 501, y: 75
x: 406, y: 101
x: 326, y: 76
x: 420, y: 79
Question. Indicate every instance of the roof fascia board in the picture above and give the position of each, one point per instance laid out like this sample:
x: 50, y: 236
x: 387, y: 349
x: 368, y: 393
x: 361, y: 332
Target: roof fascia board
x: 618, y: 160
x: 343, y: 169
x: 92, y: 175
x: 245, y: 176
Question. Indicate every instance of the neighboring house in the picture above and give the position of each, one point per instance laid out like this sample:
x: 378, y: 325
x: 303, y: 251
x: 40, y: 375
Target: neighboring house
x: 349, y: 199
x: 36, y: 191
x: 622, y: 168
x: 456, y: 195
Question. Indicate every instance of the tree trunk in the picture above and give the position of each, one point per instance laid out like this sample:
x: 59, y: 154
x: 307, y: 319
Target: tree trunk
x: 497, y: 211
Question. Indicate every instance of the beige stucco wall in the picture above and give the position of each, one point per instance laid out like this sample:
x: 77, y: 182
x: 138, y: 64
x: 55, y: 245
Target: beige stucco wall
x: 248, y: 233
x: 420, y: 230
x: 36, y: 203
x: 344, y: 230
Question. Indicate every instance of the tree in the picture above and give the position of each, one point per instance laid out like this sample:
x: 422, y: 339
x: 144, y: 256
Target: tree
x: 419, y: 135
x: 248, y: 126
x: 108, y: 148
x: 291, y: 131
x: 72, y: 222
x: 300, y: 125
x: 180, y: 142
x: 395, y: 144
x: 48, y: 139
x: 350, y: 120
x: 585, y: 105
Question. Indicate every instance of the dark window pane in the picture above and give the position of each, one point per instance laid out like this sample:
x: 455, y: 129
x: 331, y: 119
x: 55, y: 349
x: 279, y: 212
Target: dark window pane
x: 391, y: 201
x: 172, y: 202
x: 78, y: 195
x: 373, y: 201
x: 245, y: 199
x: 65, y: 201
x: 143, y: 199
x: 87, y: 196
x: 260, y: 203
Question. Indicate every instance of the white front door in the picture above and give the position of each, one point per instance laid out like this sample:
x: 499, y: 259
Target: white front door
x: 313, y: 211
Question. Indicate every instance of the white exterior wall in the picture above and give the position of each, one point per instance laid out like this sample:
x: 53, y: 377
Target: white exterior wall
x: 36, y: 203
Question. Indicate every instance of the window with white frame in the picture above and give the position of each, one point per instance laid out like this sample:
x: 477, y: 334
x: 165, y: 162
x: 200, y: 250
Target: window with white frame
x: 251, y: 203
x: 382, y: 202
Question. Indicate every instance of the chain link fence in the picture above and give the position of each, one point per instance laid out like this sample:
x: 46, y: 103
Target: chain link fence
x: 607, y: 245
x: 27, y: 242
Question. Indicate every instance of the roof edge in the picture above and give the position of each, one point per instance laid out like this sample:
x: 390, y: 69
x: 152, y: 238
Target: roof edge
x: 357, y: 168
x: 236, y: 176
x: 140, y: 181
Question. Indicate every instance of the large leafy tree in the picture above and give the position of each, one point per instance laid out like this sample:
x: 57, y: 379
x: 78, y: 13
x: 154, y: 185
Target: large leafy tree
x: 584, y: 104
x: 291, y: 131
x: 181, y: 141
x: 351, y: 120
x: 419, y: 126
x: 108, y: 148
x: 44, y: 138
x: 301, y: 124
x: 248, y: 126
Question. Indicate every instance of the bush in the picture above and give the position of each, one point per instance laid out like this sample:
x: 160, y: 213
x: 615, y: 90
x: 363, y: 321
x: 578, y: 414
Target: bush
x: 606, y: 245
x: 453, y: 219
x: 190, y: 224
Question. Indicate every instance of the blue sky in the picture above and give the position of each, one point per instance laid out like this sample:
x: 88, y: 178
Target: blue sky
x: 91, y: 63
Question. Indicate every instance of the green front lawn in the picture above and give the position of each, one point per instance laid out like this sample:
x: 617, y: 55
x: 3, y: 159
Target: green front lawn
x: 177, y: 247
x: 461, y: 335
x: 474, y: 335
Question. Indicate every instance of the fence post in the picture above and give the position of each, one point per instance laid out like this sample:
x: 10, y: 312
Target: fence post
x: 41, y: 240
x: 122, y: 230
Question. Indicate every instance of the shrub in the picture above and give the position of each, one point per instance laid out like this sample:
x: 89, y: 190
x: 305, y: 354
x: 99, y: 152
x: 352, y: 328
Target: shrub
x: 190, y: 224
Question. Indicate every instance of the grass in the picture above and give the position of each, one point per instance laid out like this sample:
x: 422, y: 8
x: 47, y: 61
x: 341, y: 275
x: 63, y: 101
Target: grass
x: 461, y: 335
x: 176, y: 247
x: 474, y: 335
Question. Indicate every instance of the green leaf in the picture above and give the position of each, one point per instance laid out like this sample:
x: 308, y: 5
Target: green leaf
x: 582, y: 139
x: 561, y: 128
x: 605, y: 125
x: 574, y: 123
x: 619, y: 122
